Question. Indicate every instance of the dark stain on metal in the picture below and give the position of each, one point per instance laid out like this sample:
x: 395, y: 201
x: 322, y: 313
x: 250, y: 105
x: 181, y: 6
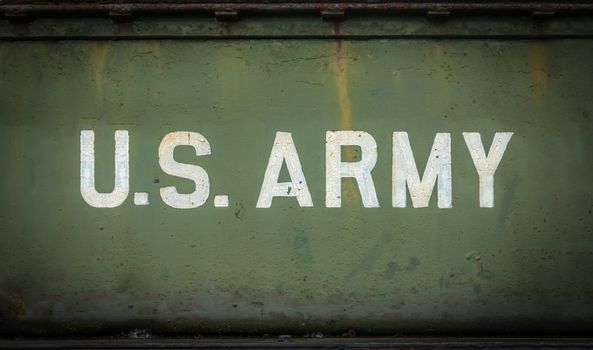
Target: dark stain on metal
x: 302, y: 247
x: 124, y: 26
x: 239, y: 208
x: 372, y: 255
x: 11, y: 306
x: 337, y: 27
x: 351, y: 333
x: 227, y: 28
x: 393, y: 267
x: 20, y: 28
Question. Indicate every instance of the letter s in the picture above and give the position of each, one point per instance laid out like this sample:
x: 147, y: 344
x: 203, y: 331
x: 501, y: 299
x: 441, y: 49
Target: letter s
x: 187, y: 171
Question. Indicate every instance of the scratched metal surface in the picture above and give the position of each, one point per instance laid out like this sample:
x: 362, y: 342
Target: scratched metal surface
x: 523, y: 266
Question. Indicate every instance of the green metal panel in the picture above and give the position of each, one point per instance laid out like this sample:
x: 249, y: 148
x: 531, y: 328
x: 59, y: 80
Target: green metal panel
x: 524, y: 265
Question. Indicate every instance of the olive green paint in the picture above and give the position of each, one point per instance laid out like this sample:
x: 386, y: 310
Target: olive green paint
x: 523, y: 266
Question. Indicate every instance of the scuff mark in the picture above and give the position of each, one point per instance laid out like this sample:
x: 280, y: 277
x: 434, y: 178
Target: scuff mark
x: 310, y: 83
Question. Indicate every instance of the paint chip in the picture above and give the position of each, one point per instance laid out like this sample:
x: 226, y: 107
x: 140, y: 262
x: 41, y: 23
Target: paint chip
x: 141, y: 198
x: 221, y: 201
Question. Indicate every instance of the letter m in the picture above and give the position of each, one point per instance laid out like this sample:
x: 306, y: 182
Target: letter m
x: 405, y: 172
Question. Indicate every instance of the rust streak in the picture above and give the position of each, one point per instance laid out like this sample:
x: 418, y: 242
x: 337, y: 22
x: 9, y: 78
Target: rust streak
x: 349, y: 190
x: 343, y: 94
x: 538, y: 71
x: 97, y: 61
x: 342, y: 82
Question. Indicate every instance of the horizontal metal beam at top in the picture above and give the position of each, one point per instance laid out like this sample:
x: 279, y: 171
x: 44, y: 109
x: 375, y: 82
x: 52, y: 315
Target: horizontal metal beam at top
x: 297, y: 27
x: 51, y: 7
x: 204, y: 28
x: 199, y: 19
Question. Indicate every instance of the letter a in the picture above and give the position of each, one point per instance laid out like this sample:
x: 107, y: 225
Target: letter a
x: 284, y: 150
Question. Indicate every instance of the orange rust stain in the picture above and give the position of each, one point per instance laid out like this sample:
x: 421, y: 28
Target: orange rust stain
x: 538, y: 71
x: 342, y: 82
x: 350, y: 192
x: 149, y: 47
x: 439, y: 54
x: 343, y: 94
x: 231, y: 65
x: 97, y: 62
